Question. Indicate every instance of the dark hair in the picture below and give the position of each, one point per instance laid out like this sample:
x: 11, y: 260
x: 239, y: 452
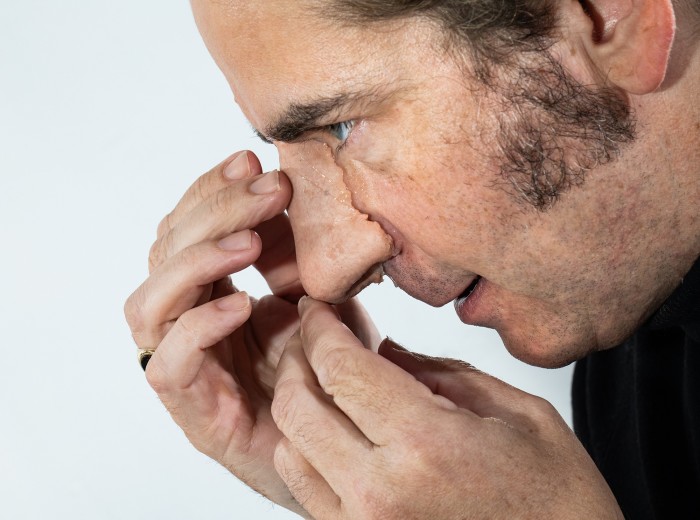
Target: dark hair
x: 552, y: 128
x: 493, y: 28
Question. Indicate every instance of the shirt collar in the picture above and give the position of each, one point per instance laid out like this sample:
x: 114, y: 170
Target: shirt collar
x: 682, y: 308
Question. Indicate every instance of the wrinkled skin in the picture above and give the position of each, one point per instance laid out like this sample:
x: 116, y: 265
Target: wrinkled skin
x: 351, y: 433
x: 217, y: 350
x: 427, y: 449
x: 334, y: 266
x: 422, y: 161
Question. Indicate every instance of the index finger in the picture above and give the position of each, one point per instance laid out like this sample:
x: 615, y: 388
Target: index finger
x: 240, y: 165
x: 378, y: 396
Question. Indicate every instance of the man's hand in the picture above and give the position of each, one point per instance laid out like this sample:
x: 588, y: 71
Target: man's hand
x: 217, y: 350
x: 402, y: 436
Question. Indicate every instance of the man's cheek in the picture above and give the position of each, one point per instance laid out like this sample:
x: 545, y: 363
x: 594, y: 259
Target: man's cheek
x: 339, y: 250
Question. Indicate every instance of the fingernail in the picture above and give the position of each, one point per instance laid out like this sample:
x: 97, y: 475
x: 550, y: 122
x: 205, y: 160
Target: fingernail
x: 239, y: 241
x: 303, y: 303
x: 239, y: 168
x: 235, y: 302
x: 268, y: 183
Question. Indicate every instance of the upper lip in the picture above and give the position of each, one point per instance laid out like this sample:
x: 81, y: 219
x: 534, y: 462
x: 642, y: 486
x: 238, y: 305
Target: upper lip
x: 397, y: 248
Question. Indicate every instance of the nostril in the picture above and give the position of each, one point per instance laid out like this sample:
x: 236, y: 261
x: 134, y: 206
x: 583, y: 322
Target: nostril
x: 375, y: 274
x: 338, y: 295
x: 338, y: 260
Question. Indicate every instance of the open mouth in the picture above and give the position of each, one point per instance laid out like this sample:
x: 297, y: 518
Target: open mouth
x: 469, y: 290
x: 467, y: 304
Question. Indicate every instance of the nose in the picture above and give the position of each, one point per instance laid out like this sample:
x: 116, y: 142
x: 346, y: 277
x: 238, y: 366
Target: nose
x: 339, y: 250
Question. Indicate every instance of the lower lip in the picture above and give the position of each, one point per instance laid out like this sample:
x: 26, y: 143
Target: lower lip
x: 467, y: 307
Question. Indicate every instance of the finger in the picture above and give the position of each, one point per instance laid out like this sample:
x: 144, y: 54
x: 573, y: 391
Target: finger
x: 272, y: 324
x: 378, y: 396
x: 222, y: 287
x: 242, y: 205
x: 182, y: 355
x: 313, y: 424
x: 466, y: 386
x: 240, y: 165
x: 184, y: 281
x: 354, y: 315
x: 305, y: 484
x: 277, y: 262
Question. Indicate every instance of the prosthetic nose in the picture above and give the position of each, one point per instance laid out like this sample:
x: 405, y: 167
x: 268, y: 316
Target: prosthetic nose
x: 339, y: 250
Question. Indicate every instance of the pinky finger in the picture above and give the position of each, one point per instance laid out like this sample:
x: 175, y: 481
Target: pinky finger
x: 179, y: 357
x: 305, y: 484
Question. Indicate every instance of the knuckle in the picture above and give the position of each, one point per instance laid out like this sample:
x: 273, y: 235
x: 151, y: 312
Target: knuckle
x: 299, y: 485
x: 157, y: 378
x: 378, y: 502
x: 283, y: 404
x: 417, y: 449
x: 189, y: 329
x: 160, y: 250
x: 189, y: 257
x: 133, y: 312
x: 543, y: 409
x: 221, y: 202
x: 337, y: 366
x: 199, y: 189
x: 144, y: 318
x: 154, y: 254
x: 164, y: 225
x: 295, y: 479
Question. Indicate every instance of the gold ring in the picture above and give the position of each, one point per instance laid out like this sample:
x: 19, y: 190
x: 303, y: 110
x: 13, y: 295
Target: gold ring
x: 145, y: 355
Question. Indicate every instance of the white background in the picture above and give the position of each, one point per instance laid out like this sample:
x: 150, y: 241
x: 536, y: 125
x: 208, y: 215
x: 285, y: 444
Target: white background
x: 108, y: 111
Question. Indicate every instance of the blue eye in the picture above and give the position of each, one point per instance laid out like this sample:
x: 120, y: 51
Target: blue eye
x: 341, y: 130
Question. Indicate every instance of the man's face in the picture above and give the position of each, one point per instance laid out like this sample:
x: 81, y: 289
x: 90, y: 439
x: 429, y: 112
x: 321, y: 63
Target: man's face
x: 420, y: 157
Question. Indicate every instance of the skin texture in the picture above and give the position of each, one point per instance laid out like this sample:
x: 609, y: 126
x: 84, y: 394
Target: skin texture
x: 384, y: 458
x: 422, y: 158
x: 284, y: 395
x: 332, y: 269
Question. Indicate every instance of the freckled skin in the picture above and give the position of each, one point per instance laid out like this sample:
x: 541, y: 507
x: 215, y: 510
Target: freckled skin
x: 423, y: 163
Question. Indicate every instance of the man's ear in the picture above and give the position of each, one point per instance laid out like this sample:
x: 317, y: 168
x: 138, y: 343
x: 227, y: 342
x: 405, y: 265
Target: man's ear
x: 630, y: 42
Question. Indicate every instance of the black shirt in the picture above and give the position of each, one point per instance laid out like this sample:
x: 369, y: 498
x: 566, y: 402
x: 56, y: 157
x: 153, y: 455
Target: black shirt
x: 637, y: 411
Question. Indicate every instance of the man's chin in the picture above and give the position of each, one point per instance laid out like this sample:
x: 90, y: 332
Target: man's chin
x: 544, y: 350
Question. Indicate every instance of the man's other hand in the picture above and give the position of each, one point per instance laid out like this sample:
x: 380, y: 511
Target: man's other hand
x: 403, y: 436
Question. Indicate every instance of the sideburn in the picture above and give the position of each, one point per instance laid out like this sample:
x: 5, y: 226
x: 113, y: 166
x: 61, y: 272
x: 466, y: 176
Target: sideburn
x: 553, y: 130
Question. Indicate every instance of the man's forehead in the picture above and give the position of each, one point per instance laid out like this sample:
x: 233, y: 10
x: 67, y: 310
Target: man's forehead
x: 288, y: 72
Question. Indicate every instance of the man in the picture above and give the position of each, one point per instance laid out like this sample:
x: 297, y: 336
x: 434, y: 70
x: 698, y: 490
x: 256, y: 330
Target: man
x: 536, y: 162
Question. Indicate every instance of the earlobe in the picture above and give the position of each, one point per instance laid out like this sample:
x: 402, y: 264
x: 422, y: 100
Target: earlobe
x: 631, y: 41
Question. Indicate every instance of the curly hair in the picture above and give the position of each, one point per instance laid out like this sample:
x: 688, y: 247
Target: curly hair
x: 553, y: 129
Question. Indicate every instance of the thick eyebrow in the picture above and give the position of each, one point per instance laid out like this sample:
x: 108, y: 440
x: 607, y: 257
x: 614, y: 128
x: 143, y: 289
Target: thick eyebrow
x: 302, y: 117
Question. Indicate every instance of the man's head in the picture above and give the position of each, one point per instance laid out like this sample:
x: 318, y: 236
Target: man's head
x: 513, y: 144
